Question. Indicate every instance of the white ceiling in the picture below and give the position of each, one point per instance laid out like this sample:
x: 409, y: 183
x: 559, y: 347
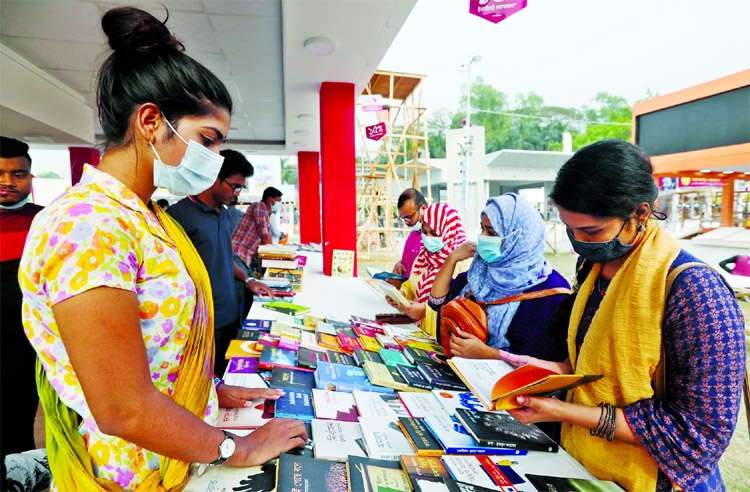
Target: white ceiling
x: 255, y: 46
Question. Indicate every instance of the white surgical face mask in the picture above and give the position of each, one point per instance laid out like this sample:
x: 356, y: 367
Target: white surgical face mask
x: 417, y: 226
x: 16, y: 206
x: 196, y: 172
x: 276, y: 207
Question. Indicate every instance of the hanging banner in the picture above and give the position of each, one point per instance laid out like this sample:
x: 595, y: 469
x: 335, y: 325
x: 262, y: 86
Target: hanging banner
x: 495, y: 10
x: 372, y: 102
x: 375, y: 132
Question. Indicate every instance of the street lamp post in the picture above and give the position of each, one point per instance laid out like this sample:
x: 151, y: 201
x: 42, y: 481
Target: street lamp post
x: 467, y: 67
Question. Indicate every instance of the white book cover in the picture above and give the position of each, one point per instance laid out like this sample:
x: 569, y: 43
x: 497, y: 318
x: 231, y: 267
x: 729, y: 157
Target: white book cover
x: 381, y: 405
x: 407, y: 330
x: 245, y: 380
x: 334, y: 405
x: 244, y: 417
x: 335, y: 440
x: 228, y: 478
x: 450, y: 400
x: 384, y: 439
x: 468, y: 469
x: 420, y: 405
x: 480, y: 375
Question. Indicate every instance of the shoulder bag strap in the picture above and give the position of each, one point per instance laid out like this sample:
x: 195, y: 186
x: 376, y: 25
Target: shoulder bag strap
x: 659, y: 374
x: 531, y: 295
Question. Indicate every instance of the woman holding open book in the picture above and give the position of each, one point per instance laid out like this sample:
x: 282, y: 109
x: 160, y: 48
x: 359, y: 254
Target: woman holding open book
x: 117, y: 301
x: 664, y: 330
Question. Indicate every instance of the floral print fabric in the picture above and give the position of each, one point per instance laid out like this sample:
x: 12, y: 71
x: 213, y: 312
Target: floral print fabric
x: 99, y: 233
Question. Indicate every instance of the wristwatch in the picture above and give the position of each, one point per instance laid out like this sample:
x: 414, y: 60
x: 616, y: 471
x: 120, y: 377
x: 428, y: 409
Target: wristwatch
x: 226, y: 449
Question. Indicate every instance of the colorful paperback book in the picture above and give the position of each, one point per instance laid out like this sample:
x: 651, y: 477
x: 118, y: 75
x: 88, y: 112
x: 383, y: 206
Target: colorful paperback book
x: 450, y: 400
x: 241, y: 348
x: 329, y: 341
x: 417, y: 355
x: 336, y: 440
x: 340, y: 358
x: 340, y: 377
x: 342, y: 263
x: 370, y: 344
x: 421, y: 344
x: 334, y: 405
x: 420, y: 468
x: 366, y: 330
x: 455, y: 440
x: 250, y: 417
x: 311, y: 321
x: 420, y: 405
x: 286, y: 307
x: 326, y: 328
x: 248, y: 335
x: 496, y: 383
x: 384, y: 439
x: 478, y: 470
x: 360, y: 356
x: 388, y: 342
x: 295, y: 404
x: 305, y: 474
x: 309, y: 358
x: 257, y: 324
x: 441, y: 376
x: 290, y: 378
x: 374, y: 475
x: 565, y: 484
x: 348, y: 342
x: 278, y: 357
x: 380, y: 375
x: 504, y: 431
x: 241, y: 365
x: 421, y: 439
x: 268, y: 340
x: 309, y: 340
x: 413, y: 377
x: 392, y: 357
x: 379, y: 405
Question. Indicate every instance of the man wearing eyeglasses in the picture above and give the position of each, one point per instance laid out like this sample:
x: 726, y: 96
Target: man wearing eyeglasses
x: 207, y: 223
x: 411, y: 206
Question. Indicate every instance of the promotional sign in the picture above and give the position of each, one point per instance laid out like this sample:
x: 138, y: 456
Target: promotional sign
x: 372, y: 102
x: 375, y: 132
x: 495, y: 10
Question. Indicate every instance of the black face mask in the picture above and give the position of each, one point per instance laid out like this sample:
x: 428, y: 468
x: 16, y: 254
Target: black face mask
x: 601, y: 252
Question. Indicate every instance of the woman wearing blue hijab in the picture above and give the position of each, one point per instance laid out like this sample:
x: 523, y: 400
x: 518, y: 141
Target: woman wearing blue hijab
x: 508, y: 260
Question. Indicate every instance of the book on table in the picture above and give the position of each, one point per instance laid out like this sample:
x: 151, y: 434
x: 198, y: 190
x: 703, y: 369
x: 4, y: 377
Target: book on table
x: 340, y: 358
x: 421, y: 439
x: 302, y: 473
x: 392, y: 357
x: 226, y: 478
x: 292, y: 378
x: 336, y: 440
x: 342, y: 263
x: 334, y: 405
x: 504, y: 431
x: 276, y: 251
x: 421, y: 469
x: 566, y: 484
x: 283, y: 263
x: 441, y: 376
x: 340, y: 377
x: 258, y: 413
x: 451, y: 400
x: 382, y: 375
x: 278, y: 357
x: 496, y: 383
x: 420, y: 405
x: 374, y: 475
x: 413, y: 377
x: 360, y: 356
x: 242, y: 348
x: 384, y: 439
x: 239, y: 366
x: 309, y: 358
x: 286, y: 307
x: 370, y: 404
x: 295, y: 404
x: 455, y: 440
x: 478, y: 470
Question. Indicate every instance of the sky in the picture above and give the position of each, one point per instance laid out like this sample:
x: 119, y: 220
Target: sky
x: 569, y: 51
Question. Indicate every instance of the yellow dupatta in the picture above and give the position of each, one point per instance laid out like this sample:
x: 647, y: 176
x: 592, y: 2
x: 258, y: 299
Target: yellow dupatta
x: 68, y: 457
x: 624, y: 344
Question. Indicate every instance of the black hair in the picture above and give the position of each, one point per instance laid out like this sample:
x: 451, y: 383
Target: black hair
x: 148, y: 65
x: 606, y: 179
x: 270, y: 192
x: 10, y: 148
x: 411, y: 194
x: 235, y: 163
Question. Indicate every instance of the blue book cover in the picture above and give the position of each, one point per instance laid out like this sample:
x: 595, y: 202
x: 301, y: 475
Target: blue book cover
x: 296, y: 404
x: 340, y: 377
x: 257, y: 324
x: 455, y: 440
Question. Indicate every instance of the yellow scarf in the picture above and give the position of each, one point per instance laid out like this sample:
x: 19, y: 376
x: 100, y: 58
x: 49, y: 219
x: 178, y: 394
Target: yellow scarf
x: 624, y: 344
x: 68, y: 457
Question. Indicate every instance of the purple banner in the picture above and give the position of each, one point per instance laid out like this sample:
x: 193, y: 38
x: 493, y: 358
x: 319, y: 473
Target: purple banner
x: 375, y: 132
x: 495, y: 10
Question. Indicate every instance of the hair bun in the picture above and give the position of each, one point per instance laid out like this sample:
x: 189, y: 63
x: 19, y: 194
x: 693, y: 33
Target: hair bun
x: 134, y: 30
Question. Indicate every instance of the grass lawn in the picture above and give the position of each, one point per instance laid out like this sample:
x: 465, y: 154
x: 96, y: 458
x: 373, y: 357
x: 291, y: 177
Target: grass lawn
x: 735, y: 464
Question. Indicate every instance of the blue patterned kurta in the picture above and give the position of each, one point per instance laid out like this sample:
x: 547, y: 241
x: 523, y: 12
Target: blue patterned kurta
x: 703, y: 333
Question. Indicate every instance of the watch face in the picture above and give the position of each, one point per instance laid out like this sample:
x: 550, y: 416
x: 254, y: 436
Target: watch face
x: 227, y: 448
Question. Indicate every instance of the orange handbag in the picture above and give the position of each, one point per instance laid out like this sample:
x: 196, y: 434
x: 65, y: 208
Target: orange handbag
x: 470, y: 316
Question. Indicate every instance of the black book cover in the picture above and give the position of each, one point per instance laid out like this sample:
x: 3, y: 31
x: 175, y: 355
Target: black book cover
x: 370, y: 474
x: 340, y: 358
x: 441, y: 376
x: 420, y: 437
x: 360, y: 356
x: 248, y: 335
x: 420, y: 356
x: 413, y: 377
x: 310, y: 358
x: 504, y: 431
x: 304, y: 473
x: 284, y: 377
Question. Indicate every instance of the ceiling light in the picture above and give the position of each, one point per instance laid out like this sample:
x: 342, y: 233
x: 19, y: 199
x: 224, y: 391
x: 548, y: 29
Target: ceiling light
x: 305, y: 117
x: 299, y: 144
x: 319, y: 45
x: 34, y: 138
x: 301, y: 133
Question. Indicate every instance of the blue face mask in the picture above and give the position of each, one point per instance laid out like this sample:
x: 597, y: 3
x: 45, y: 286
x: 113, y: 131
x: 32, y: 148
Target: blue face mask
x: 195, y: 174
x: 432, y: 244
x: 276, y: 207
x: 490, y: 248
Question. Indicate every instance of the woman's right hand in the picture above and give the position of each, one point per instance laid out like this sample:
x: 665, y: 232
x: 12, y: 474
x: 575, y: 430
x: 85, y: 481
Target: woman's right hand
x: 466, y: 250
x: 267, y: 442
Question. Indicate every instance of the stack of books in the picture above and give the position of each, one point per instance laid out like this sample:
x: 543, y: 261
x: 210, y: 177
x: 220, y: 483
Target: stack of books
x: 281, y: 262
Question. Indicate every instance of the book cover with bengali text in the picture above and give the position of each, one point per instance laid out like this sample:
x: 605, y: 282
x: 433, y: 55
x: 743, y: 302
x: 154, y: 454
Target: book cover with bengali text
x: 504, y: 431
x: 292, y: 378
x: 375, y: 475
x: 340, y: 377
x: 420, y: 437
x: 336, y: 440
x: 334, y: 405
x: 455, y: 440
x: 304, y: 474
x: 295, y: 404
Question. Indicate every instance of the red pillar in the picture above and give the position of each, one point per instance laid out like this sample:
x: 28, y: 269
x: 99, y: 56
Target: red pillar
x: 80, y: 156
x: 338, y: 170
x: 308, y: 177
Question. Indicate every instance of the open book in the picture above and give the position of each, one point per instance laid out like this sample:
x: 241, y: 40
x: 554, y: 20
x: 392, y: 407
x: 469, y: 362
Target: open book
x: 386, y: 289
x: 496, y: 383
x: 381, y: 274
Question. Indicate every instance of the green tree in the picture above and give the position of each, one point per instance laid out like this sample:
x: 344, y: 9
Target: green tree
x: 609, y: 117
x: 437, y: 124
x: 49, y: 175
x: 288, y: 171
